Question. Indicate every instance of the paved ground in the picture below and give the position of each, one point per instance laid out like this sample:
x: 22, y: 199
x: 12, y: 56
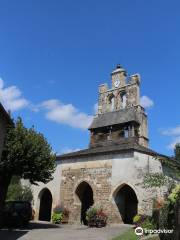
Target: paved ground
x: 45, y: 231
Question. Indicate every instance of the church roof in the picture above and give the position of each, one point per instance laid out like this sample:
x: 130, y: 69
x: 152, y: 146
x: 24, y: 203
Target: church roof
x: 116, y: 117
x: 114, y: 148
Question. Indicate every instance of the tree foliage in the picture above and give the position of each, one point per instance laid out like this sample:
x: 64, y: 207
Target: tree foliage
x: 27, y: 154
x: 19, y: 192
x: 155, y: 180
x: 177, y: 152
x: 160, y: 179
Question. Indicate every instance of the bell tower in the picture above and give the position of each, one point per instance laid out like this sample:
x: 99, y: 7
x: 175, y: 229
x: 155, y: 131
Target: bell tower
x: 120, y: 116
x: 118, y: 77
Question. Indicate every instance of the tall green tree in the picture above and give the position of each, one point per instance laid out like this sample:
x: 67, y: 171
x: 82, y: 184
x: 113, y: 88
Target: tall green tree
x: 26, y: 154
x: 177, y: 152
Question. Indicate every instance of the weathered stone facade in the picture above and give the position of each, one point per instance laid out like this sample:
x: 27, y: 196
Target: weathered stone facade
x: 119, y: 112
x: 98, y: 177
x: 111, y: 171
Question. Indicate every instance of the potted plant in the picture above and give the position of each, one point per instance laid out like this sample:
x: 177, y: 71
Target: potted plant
x: 57, y: 215
x: 96, y: 217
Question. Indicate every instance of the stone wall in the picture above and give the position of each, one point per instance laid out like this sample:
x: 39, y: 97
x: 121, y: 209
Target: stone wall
x: 97, y: 175
x: 105, y: 174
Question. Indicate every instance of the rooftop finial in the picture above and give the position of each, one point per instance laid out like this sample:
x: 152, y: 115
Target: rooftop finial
x: 118, y: 66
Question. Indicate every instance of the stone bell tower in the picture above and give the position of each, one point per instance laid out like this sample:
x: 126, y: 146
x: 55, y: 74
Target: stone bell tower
x: 120, y: 118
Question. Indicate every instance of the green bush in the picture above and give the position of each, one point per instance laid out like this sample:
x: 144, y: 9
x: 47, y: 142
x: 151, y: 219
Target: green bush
x: 148, y: 224
x: 19, y: 192
x: 57, y: 217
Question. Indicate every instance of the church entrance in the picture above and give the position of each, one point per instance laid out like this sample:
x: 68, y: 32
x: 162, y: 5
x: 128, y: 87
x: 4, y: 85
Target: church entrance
x: 45, y: 205
x: 85, y: 195
x: 127, y: 203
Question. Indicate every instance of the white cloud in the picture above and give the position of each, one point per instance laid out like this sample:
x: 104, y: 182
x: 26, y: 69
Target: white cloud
x: 174, y: 133
x: 171, y: 131
x: 69, y: 150
x: 66, y: 114
x: 11, y: 97
x: 173, y: 143
x: 146, y: 102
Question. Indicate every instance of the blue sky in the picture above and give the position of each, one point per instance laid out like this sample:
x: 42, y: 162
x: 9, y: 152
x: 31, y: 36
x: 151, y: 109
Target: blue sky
x: 54, y: 54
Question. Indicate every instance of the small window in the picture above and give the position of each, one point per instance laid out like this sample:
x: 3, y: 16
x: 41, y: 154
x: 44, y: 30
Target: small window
x: 126, y: 133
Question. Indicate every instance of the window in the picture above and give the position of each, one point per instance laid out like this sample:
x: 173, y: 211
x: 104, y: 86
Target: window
x: 111, y: 102
x: 123, y: 99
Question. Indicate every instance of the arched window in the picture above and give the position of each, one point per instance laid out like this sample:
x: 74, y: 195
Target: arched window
x: 111, y: 102
x: 123, y: 99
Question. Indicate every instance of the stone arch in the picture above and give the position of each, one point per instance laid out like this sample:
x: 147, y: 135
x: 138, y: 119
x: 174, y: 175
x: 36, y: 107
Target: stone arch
x: 111, y: 102
x: 45, y: 204
x: 123, y: 99
x: 126, y: 201
x: 84, y: 193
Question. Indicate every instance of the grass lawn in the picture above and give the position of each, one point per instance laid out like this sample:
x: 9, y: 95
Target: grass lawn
x: 130, y: 235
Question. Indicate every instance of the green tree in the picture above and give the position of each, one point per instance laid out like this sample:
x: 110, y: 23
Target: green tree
x: 18, y: 192
x: 177, y: 152
x: 26, y: 154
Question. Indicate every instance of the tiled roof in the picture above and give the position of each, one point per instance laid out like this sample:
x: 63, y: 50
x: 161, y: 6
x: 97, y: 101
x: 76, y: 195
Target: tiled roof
x: 115, y: 148
x: 116, y: 117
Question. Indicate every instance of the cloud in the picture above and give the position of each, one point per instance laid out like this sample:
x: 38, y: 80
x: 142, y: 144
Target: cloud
x: 11, y: 97
x: 146, y: 102
x: 171, y: 131
x: 174, y: 133
x: 66, y: 114
x: 69, y: 150
x: 173, y: 143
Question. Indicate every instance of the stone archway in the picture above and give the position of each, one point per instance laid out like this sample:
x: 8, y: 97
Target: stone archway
x: 127, y: 203
x: 45, y: 197
x: 85, y: 195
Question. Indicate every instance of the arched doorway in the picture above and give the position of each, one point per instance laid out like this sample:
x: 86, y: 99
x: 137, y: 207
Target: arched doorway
x: 45, y: 205
x: 127, y: 203
x: 85, y: 194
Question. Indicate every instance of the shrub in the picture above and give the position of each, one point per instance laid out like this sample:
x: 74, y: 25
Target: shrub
x: 96, y: 217
x: 57, y: 217
x: 59, y: 213
x: 144, y: 221
x: 148, y: 224
x: 136, y: 219
x: 139, y: 219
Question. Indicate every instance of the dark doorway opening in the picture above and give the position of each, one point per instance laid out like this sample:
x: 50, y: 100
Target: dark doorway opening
x: 85, y: 194
x: 45, y: 205
x: 127, y: 203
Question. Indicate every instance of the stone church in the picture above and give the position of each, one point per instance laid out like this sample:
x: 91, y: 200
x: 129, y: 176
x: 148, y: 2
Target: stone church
x: 110, y: 171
